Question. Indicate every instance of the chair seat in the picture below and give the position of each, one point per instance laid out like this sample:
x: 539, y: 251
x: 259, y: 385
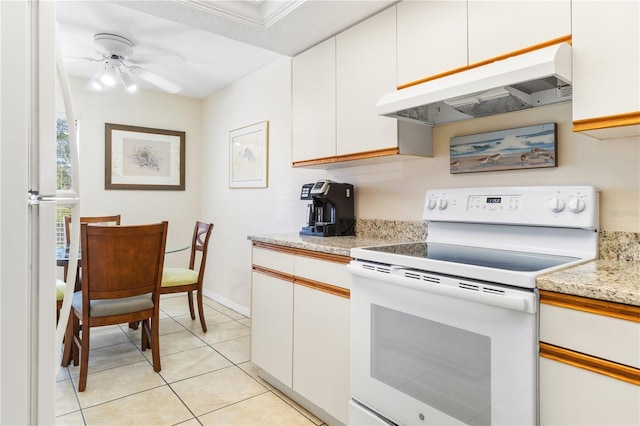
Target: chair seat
x: 61, y: 287
x: 107, y: 307
x: 172, y: 277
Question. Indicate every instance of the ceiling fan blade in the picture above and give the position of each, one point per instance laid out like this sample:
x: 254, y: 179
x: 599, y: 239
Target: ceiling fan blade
x: 156, y: 80
x: 82, y: 59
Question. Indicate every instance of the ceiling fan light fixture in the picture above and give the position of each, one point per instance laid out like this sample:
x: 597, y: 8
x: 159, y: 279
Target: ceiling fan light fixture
x: 95, y: 84
x: 128, y: 82
x: 108, y: 77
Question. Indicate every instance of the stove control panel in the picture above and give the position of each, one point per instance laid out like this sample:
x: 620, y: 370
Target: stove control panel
x: 559, y: 206
x: 493, y: 203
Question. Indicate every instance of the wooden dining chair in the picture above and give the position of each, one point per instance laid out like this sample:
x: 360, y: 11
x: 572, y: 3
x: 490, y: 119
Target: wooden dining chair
x: 178, y: 280
x: 96, y: 220
x: 121, y: 277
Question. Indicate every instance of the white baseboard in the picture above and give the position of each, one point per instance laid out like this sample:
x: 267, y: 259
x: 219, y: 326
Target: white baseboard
x: 228, y: 303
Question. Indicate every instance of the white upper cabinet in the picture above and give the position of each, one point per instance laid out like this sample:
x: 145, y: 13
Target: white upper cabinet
x: 432, y: 38
x: 366, y: 70
x: 500, y: 27
x: 606, y: 68
x: 314, y: 102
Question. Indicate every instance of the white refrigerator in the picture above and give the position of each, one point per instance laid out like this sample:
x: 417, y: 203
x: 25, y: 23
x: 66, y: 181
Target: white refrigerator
x: 29, y: 343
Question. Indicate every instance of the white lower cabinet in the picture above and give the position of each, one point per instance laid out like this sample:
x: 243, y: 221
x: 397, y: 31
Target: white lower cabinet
x: 300, y: 327
x: 574, y: 396
x: 271, y: 325
x: 589, y: 361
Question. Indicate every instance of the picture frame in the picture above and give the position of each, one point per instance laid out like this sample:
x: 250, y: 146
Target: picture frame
x: 512, y: 149
x: 143, y: 158
x: 248, y: 156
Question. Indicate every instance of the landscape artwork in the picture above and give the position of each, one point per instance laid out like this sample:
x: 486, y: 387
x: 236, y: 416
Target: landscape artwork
x: 521, y: 148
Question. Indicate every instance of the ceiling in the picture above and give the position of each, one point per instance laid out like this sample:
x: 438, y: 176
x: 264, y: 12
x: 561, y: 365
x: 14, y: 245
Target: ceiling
x: 202, y: 46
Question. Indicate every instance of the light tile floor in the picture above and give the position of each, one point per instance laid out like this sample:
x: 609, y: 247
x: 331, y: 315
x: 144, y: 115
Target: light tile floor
x: 206, y: 378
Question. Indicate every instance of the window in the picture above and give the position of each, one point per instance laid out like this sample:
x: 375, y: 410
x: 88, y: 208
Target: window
x: 63, y: 174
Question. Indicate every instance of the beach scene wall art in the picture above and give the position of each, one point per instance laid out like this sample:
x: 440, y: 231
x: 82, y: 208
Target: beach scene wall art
x: 521, y: 148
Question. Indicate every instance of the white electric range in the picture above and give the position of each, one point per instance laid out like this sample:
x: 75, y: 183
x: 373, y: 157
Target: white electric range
x: 446, y: 331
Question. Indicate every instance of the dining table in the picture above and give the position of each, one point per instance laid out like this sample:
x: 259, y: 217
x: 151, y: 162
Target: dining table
x: 62, y: 258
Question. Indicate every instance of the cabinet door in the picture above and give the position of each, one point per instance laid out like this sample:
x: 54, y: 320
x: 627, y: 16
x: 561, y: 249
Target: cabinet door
x: 601, y: 336
x: 321, y: 350
x: 432, y: 38
x: 314, y: 103
x: 500, y: 27
x: 366, y: 70
x: 271, y: 325
x: 573, y: 396
x: 606, y: 58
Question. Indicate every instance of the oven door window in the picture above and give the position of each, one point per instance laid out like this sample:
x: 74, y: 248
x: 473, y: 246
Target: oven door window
x: 433, y: 363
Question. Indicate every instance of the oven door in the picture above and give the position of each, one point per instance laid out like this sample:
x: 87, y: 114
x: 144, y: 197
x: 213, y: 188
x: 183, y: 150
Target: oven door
x: 429, y: 349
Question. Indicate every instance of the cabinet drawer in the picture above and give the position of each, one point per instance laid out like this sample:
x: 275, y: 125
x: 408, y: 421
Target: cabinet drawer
x: 323, y: 271
x: 601, y: 336
x: 273, y: 259
x: 574, y: 396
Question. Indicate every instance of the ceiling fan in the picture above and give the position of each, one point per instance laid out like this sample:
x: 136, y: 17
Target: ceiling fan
x: 121, y: 67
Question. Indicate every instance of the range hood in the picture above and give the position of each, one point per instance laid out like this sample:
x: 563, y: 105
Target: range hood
x: 536, y: 78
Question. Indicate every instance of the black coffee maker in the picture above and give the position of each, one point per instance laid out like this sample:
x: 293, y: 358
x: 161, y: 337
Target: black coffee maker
x: 331, y: 212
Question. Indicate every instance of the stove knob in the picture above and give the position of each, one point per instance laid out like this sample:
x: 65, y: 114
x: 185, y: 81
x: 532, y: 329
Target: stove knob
x: 431, y: 204
x: 556, y: 205
x: 576, y: 205
x: 443, y: 204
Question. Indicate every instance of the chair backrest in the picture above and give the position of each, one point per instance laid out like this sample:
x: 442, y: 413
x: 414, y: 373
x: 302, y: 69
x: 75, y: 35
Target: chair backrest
x: 200, y: 243
x: 106, y: 220
x: 122, y: 261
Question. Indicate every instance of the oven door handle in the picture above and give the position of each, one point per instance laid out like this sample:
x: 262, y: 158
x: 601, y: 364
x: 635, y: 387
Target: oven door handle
x: 522, y: 303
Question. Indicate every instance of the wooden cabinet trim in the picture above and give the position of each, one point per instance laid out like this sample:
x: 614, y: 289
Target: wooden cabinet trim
x: 587, y: 362
x: 326, y: 288
x: 563, y: 39
x: 302, y: 252
x: 593, y: 306
x: 273, y: 247
x: 275, y: 274
x: 336, y: 258
x: 348, y: 157
x: 605, y: 122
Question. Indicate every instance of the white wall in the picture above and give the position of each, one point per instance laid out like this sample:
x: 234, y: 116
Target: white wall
x: 392, y: 190
x: 237, y: 213
x: 146, y: 109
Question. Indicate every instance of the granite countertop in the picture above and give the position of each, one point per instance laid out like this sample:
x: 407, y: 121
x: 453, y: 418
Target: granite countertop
x: 609, y: 280
x: 332, y: 245
x: 612, y: 280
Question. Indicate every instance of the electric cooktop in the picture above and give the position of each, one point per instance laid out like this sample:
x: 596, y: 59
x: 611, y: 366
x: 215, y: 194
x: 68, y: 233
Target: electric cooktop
x: 477, y: 256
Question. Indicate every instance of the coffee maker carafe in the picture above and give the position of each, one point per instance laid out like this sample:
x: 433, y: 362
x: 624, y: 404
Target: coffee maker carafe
x: 331, y: 210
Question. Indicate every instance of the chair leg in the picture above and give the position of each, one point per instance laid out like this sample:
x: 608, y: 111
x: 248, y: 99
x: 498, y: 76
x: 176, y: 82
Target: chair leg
x: 145, y: 327
x: 201, y: 312
x: 84, y: 358
x: 155, y: 344
x: 190, y: 297
x: 69, y: 343
x: 144, y: 330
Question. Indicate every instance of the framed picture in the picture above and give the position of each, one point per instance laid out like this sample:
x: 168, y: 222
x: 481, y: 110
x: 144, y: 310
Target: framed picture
x: 248, y: 156
x: 521, y: 148
x: 143, y: 158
